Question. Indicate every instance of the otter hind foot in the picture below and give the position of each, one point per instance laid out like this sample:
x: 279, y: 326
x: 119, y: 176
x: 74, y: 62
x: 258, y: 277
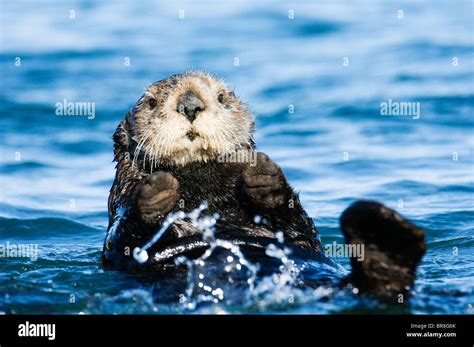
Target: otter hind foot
x: 393, y: 247
x: 264, y: 182
x: 157, y: 195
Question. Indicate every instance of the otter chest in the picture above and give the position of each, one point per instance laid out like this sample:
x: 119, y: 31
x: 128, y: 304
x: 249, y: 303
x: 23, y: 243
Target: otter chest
x: 216, y: 183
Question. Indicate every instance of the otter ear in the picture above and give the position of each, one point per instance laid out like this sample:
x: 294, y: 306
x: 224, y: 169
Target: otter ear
x: 122, y: 138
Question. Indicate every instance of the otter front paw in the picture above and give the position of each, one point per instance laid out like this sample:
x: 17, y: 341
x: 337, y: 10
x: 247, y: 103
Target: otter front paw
x: 264, y: 182
x: 156, y: 196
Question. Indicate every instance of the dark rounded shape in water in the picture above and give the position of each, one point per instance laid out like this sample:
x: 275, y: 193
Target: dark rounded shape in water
x: 393, y: 247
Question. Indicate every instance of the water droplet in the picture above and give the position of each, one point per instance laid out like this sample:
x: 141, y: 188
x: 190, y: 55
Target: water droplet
x: 280, y: 237
x: 140, y: 255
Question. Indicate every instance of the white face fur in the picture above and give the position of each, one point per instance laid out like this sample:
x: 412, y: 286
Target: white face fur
x: 164, y: 134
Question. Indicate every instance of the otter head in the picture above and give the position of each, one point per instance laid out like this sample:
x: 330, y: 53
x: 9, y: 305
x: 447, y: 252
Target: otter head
x: 187, y: 118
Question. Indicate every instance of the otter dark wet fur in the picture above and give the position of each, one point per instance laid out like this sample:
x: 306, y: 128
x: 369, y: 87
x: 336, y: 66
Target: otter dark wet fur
x: 169, y: 151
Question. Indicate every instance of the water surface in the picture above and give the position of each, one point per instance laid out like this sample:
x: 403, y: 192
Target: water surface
x: 335, y: 147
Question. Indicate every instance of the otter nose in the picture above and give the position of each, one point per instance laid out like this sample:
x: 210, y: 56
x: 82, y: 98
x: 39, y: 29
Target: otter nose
x: 190, y: 105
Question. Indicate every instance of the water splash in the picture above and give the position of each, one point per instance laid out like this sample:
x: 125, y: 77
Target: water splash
x: 223, y: 276
x: 140, y: 254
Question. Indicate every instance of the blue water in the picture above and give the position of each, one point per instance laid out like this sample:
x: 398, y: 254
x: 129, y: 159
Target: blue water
x: 335, y: 148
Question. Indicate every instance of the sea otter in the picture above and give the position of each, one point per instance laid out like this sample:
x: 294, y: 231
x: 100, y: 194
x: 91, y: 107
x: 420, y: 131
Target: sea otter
x: 170, y: 151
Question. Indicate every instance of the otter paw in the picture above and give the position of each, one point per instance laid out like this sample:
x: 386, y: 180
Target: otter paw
x: 156, y: 196
x: 393, y: 247
x: 264, y: 182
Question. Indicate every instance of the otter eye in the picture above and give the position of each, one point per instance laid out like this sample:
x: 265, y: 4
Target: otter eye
x: 220, y: 98
x: 152, y: 103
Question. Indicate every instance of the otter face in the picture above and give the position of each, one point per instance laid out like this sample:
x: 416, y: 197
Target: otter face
x: 186, y: 118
